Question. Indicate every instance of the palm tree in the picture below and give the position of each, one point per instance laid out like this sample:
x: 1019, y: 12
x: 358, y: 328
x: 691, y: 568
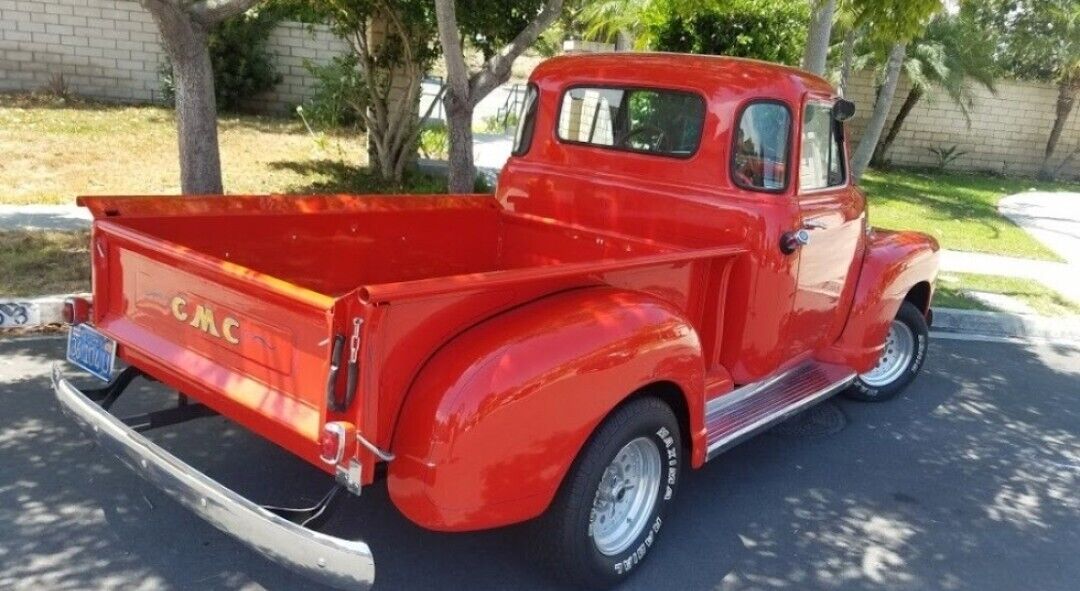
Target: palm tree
x: 626, y: 22
x: 621, y: 21
x: 950, y: 55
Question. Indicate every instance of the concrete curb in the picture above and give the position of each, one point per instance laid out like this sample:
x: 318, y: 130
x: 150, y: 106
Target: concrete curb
x: 31, y: 312
x: 1003, y: 324
x: 41, y: 311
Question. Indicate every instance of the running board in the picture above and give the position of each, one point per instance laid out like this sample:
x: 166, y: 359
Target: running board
x: 732, y: 418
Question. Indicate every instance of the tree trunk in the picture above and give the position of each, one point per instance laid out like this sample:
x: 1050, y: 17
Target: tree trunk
x: 876, y: 124
x: 462, y: 173
x: 1066, y: 99
x: 882, y: 150
x: 624, y: 41
x: 817, y: 41
x: 196, y: 120
x: 848, y: 61
x: 184, y: 28
x: 463, y: 91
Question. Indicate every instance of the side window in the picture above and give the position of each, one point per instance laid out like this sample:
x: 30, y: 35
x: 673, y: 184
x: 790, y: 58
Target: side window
x: 821, y: 163
x: 526, y: 121
x: 760, y: 152
x: 664, y: 122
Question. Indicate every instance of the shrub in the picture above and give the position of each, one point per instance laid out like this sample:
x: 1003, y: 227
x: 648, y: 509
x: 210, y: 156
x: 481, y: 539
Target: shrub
x: 773, y: 31
x: 339, y: 95
x: 435, y: 141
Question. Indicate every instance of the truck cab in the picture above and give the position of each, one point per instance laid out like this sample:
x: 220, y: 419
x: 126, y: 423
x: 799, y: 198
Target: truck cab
x: 675, y: 259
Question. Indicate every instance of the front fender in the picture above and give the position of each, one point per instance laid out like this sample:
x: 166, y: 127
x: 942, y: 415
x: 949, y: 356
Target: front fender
x: 894, y: 263
x: 494, y: 420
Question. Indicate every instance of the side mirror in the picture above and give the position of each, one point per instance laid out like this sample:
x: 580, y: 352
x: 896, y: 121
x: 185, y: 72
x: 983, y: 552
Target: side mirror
x: 843, y: 109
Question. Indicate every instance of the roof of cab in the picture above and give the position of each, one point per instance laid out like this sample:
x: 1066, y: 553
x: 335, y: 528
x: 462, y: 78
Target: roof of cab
x: 710, y: 72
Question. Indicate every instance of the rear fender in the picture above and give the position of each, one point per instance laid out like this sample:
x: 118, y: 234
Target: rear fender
x: 894, y: 264
x: 494, y: 420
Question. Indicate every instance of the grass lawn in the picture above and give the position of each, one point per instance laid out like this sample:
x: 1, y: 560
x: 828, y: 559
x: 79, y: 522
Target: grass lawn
x: 951, y: 288
x: 55, y: 150
x: 34, y: 262
x: 958, y: 209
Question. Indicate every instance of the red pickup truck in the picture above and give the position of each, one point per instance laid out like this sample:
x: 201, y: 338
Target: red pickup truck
x: 674, y: 260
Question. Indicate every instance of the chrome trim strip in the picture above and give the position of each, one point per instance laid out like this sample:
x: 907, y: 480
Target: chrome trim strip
x: 336, y: 562
x: 736, y: 437
x: 718, y: 404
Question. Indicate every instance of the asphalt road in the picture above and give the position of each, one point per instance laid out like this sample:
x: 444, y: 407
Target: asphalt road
x: 968, y: 481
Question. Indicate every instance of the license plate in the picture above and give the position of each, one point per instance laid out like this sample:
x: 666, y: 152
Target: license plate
x: 92, y: 351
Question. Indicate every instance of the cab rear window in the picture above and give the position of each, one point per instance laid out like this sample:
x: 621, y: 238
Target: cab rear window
x: 647, y: 120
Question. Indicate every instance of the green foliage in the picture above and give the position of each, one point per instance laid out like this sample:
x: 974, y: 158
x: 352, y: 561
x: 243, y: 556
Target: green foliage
x: 768, y: 30
x: 952, y: 52
x: 891, y: 21
x: 604, y: 20
x: 1036, y: 39
x: 242, y: 66
x: 434, y: 141
x: 339, y: 96
x: 945, y: 155
x: 350, y: 18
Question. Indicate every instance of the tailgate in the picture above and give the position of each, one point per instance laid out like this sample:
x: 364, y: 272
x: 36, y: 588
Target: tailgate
x: 252, y: 347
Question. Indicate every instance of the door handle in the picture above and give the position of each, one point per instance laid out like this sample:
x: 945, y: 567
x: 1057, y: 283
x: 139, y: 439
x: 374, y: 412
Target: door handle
x: 794, y: 240
x: 814, y: 225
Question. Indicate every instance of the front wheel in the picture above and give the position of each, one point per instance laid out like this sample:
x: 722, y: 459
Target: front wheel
x: 900, y: 361
x: 611, y: 506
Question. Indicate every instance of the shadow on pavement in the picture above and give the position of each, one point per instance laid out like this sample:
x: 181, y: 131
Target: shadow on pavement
x: 968, y: 481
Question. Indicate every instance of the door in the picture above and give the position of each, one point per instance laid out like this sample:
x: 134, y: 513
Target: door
x: 832, y: 214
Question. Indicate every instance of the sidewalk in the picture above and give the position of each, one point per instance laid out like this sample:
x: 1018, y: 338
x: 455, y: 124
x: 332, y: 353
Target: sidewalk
x: 1063, y: 278
x: 44, y: 217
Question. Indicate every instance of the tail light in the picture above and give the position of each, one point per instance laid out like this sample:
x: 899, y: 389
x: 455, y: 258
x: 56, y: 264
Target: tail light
x: 77, y: 310
x: 337, y: 441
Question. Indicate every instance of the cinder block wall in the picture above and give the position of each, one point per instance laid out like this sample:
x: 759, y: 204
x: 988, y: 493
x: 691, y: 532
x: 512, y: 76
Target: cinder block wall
x: 110, y: 49
x: 103, y: 48
x: 1008, y: 131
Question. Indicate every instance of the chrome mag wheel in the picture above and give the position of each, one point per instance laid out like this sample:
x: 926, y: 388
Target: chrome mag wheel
x: 899, y: 350
x: 626, y: 496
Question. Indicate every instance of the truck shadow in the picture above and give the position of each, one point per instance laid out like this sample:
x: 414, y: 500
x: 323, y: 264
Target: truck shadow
x: 969, y: 475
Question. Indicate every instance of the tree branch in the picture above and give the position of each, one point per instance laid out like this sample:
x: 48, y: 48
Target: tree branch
x: 497, y: 70
x: 210, y: 12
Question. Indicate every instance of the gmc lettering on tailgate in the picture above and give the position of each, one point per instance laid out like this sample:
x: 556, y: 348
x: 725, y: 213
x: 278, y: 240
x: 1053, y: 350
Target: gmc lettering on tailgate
x: 203, y: 319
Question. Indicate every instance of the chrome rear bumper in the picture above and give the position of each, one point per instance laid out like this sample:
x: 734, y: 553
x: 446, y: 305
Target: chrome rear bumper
x: 339, y: 563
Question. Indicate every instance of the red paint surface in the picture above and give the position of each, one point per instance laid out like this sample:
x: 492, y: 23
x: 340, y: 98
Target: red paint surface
x: 497, y: 333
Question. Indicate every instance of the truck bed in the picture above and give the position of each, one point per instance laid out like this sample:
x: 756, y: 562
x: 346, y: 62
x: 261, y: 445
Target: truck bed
x: 335, y: 246
x: 294, y: 273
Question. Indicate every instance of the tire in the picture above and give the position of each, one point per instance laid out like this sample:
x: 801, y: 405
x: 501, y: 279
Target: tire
x: 583, y: 548
x: 901, y: 361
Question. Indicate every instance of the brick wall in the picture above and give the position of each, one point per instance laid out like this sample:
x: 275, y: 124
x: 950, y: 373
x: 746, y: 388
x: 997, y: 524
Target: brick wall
x: 110, y: 49
x: 1007, y: 134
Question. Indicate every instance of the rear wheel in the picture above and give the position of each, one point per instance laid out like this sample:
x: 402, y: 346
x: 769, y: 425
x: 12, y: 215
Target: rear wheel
x: 610, y: 508
x: 900, y: 361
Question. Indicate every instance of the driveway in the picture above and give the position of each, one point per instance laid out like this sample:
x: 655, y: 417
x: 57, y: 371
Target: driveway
x: 968, y: 481
x: 1052, y: 218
